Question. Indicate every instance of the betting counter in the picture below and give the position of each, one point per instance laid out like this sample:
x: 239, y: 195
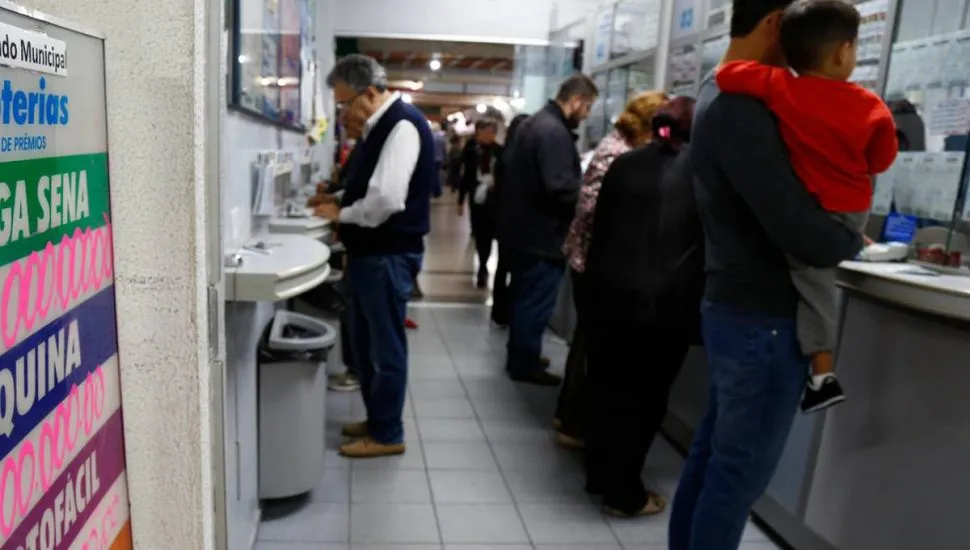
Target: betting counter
x: 885, y: 469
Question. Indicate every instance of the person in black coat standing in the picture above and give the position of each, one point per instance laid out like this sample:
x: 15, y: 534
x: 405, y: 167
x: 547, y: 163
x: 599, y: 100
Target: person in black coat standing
x: 645, y: 278
x: 479, y: 163
x: 501, y: 300
x: 538, y: 202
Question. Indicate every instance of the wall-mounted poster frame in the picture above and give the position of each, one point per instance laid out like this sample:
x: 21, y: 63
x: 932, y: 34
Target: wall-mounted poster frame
x: 272, y: 50
x: 62, y: 450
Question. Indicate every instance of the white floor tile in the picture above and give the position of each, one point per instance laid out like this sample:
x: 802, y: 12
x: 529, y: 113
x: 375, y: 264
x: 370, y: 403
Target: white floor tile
x: 481, y: 524
x: 459, y: 456
x: 393, y: 524
x: 565, y: 524
x: 482, y: 471
x: 460, y: 487
x: 317, y: 522
x: 389, y: 486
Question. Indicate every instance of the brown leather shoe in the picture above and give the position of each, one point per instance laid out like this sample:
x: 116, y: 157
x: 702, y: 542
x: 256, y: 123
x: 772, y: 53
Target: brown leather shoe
x: 368, y: 448
x: 354, y: 429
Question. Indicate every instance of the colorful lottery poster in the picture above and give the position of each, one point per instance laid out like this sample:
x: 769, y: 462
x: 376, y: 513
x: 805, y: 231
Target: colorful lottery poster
x: 62, y: 455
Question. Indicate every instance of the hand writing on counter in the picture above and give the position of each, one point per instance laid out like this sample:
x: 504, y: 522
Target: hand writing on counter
x: 328, y: 210
x: 321, y: 198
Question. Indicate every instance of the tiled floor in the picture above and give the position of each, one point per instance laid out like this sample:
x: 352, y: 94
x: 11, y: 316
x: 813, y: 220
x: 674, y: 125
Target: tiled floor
x: 481, y: 471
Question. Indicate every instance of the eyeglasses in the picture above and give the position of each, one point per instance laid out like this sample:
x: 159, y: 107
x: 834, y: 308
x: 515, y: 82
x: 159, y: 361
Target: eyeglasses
x: 347, y: 104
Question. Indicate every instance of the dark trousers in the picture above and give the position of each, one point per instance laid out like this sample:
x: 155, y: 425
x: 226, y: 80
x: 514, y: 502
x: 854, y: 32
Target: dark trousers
x: 379, y: 288
x: 501, y: 299
x: 483, y: 230
x: 757, y: 374
x: 573, y: 408
x: 346, y: 355
x: 534, y: 288
x: 632, y: 365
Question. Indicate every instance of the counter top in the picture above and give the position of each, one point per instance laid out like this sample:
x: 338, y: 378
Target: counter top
x: 310, y: 226
x: 910, y: 286
x: 287, y: 266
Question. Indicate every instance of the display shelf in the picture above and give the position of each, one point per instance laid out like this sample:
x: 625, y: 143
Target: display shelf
x: 277, y: 267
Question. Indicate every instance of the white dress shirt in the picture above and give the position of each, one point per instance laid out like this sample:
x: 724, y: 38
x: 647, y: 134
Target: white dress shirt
x: 387, y: 190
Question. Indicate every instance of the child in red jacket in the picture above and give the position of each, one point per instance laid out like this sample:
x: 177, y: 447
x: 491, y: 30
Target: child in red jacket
x: 838, y: 135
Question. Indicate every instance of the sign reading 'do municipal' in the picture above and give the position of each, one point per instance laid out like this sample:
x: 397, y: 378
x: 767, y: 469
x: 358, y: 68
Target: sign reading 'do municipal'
x: 62, y: 460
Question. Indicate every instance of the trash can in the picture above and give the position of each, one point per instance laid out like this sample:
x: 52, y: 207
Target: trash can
x: 291, y: 408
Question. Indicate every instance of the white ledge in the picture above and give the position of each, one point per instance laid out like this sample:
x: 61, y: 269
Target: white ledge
x: 910, y: 286
x: 310, y: 226
x: 287, y: 266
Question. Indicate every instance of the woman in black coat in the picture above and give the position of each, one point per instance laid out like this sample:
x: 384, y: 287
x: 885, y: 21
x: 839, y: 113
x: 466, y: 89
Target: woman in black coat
x: 645, y: 276
x: 479, y: 162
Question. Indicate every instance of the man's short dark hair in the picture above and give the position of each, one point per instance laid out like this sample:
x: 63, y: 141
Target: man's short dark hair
x: 810, y: 28
x: 485, y: 124
x: 577, y: 85
x: 746, y: 14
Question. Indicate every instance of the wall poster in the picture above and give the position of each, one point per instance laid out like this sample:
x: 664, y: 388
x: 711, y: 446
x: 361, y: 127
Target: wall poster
x: 272, y: 76
x: 62, y: 456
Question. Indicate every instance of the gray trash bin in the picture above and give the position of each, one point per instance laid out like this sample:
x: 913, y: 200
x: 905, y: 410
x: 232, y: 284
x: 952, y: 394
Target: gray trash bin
x: 291, y: 403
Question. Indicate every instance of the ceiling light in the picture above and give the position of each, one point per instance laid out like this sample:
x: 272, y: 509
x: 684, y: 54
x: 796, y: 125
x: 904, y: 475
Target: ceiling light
x: 406, y: 98
x: 244, y: 59
x: 434, y: 65
x: 481, y: 108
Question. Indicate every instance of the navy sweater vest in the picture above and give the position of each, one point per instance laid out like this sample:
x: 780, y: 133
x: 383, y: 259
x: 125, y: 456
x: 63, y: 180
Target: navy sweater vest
x: 403, y: 232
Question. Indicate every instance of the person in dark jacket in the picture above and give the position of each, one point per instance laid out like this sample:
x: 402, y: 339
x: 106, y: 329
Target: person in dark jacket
x: 501, y: 301
x: 645, y: 279
x: 538, y: 203
x: 479, y: 163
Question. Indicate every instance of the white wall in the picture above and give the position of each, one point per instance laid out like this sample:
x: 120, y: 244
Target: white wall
x: 512, y: 21
x: 156, y: 144
x: 242, y: 138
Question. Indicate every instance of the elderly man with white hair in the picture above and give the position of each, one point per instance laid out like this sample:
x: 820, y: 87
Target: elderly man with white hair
x: 382, y: 220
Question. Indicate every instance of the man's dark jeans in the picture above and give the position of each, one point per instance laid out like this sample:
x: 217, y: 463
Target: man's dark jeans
x: 534, y: 289
x: 379, y: 288
x: 757, y: 376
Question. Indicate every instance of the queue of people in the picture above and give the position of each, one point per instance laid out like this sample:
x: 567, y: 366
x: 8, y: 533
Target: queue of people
x: 715, y: 222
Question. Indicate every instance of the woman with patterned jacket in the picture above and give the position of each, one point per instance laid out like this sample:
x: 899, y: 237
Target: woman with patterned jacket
x: 631, y: 130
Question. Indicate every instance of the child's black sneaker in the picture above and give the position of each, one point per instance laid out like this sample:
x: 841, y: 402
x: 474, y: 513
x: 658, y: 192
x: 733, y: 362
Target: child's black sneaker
x: 822, y: 394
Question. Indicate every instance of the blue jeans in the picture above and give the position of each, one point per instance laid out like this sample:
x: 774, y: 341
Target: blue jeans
x: 379, y: 288
x: 757, y: 376
x: 534, y: 289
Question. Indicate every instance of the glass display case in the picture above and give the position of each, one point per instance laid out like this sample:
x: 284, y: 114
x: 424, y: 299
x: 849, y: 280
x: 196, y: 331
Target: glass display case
x: 712, y: 50
x: 718, y: 13
x: 596, y: 122
x: 643, y: 76
x: 602, y: 35
x: 616, y: 93
x: 921, y: 199
x: 683, y: 69
x: 636, y: 27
